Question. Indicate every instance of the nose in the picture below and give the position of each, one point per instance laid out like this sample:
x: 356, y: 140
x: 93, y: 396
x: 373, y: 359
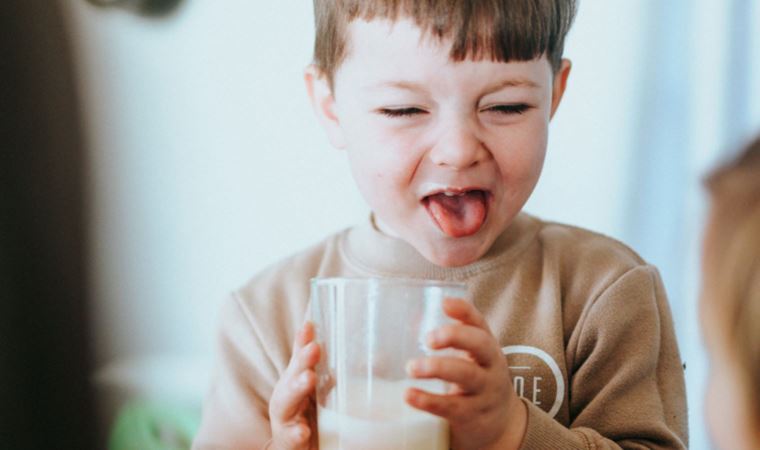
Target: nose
x: 458, y: 146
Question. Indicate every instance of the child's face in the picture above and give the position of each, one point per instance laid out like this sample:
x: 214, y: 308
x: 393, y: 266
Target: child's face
x: 418, y: 126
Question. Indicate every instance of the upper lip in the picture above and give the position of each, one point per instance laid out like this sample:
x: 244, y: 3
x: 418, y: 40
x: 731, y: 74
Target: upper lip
x: 452, y: 190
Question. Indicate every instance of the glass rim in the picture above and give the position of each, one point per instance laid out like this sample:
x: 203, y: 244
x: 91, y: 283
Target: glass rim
x: 412, y: 282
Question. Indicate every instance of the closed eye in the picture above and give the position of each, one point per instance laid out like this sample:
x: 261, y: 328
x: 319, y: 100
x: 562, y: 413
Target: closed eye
x: 519, y: 108
x: 400, y: 112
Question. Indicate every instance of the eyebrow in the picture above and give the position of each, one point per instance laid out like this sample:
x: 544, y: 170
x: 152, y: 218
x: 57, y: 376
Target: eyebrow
x: 403, y: 85
x: 511, y: 82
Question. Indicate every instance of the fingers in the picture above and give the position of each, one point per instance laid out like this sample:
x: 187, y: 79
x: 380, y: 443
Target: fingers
x: 467, y: 375
x: 298, y: 381
x: 478, y: 342
x: 465, y: 312
x: 455, y: 408
x: 304, y: 336
x: 303, y: 359
x: 291, y: 399
x: 305, y: 352
x: 291, y: 392
x: 296, y: 435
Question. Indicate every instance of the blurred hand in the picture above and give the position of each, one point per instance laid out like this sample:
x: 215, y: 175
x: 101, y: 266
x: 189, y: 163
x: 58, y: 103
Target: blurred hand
x: 291, y: 409
x: 483, y: 410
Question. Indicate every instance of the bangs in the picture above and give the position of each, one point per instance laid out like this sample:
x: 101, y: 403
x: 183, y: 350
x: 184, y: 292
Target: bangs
x: 498, y: 30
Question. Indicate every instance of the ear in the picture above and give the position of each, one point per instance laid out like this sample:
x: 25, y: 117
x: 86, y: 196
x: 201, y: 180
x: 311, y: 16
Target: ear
x: 323, y: 102
x: 560, y: 83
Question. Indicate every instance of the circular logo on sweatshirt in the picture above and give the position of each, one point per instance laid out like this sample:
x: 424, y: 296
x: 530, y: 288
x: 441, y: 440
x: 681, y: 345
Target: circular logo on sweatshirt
x: 536, y: 377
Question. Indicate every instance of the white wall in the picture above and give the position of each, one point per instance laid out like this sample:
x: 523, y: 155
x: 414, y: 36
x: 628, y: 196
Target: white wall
x: 206, y: 163
x: 585, y: 178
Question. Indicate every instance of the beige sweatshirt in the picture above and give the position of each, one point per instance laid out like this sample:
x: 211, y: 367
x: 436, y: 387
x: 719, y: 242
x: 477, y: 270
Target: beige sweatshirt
x: 583, y: 322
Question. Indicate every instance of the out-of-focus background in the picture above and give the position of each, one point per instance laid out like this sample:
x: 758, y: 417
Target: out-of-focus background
x: 160, y: 152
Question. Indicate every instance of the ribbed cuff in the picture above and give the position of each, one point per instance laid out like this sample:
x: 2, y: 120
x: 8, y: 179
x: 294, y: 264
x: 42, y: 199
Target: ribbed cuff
x: 543, y: 432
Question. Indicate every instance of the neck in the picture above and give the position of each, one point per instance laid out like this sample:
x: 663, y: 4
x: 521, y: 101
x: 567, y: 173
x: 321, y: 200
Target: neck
x: 383, y: 227
x: 377, y: 252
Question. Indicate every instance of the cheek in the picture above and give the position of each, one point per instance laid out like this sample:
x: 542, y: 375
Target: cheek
x: 385, y: 157
x: 382, y: 146
x: 520, y: 153
x: 368, y: 175
x: 379, y: 177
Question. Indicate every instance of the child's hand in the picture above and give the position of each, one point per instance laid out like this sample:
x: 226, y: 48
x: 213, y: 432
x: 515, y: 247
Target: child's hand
x: 291, y: 408
x: 483, y: 410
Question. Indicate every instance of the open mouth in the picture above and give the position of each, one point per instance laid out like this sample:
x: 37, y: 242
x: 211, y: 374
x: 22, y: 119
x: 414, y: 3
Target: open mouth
x: 458, y: 212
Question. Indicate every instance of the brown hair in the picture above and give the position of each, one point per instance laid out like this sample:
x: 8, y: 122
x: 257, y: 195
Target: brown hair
x: 732, y: 265
x: 500, y: 30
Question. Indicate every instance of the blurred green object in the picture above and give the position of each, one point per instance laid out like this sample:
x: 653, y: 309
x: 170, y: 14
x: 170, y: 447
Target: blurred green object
x: 145, y: 425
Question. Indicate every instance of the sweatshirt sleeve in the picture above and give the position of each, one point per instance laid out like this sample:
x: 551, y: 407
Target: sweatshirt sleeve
x: 235, y: 411
x: 626, y: 384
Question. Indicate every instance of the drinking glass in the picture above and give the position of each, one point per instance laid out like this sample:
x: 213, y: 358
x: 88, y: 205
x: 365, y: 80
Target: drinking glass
x: 368, y: 329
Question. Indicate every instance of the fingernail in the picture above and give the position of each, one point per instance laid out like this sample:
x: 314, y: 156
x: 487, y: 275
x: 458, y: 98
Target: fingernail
x: 409, y: 395
x: 413, y: 367
x: 303, y: 379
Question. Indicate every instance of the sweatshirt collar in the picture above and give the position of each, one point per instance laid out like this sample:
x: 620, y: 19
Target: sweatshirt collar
x: 378, y: 254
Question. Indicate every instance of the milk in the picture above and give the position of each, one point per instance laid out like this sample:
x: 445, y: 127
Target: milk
x: 379, y: 421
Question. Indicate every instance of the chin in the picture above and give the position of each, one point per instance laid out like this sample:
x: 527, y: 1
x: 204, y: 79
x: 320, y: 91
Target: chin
x: 456, y: 254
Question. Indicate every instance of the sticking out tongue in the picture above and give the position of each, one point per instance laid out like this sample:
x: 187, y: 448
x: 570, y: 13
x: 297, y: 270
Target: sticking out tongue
x: 458, y: 215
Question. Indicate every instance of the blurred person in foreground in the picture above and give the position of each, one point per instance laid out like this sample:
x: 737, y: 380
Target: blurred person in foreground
x: 730, y: 303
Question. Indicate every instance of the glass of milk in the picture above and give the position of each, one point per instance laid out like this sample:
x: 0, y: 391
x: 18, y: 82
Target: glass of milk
x: 368, y: 329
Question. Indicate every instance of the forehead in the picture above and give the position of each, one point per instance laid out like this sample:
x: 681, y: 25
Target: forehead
x: 382, y: 50
x: 385, y: 36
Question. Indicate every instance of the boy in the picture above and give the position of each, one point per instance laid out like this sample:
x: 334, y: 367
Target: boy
x: 443, y: 109
x: 730, y: 303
